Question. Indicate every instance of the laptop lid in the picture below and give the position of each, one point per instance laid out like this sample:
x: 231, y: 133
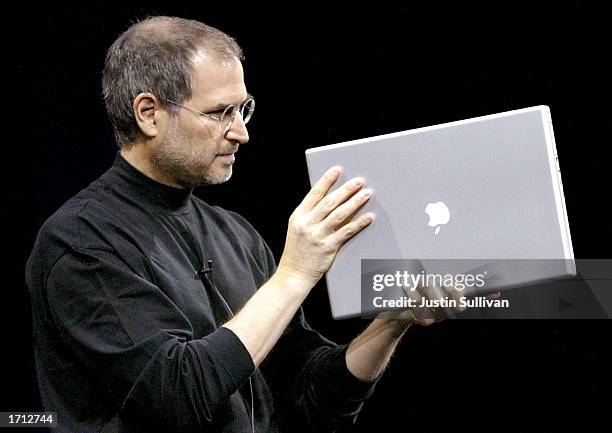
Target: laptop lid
x: 483, y: 188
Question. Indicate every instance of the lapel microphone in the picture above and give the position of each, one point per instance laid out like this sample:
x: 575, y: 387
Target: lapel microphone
x: 205, y: 271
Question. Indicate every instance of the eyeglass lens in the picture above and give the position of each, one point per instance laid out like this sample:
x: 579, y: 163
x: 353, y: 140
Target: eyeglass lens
x: 246, y: 111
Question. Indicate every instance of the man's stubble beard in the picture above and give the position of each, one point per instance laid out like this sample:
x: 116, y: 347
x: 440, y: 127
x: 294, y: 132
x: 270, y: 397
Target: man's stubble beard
x: 185, y: 163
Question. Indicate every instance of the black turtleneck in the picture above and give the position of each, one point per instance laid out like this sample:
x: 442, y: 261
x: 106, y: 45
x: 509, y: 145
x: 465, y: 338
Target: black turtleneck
x: 130, y: 282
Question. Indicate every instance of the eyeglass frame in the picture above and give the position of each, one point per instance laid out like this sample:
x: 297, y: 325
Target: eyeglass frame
x: 240, y: 109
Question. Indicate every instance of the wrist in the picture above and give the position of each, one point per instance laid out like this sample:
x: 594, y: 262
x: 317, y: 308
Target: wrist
x: 291, y: 281
x: 396, y: 327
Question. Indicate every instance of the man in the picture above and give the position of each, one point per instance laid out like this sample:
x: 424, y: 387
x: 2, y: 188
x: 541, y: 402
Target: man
x: 154, y: 311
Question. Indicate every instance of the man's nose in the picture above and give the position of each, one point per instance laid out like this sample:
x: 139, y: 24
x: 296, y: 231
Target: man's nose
x: 238, y: 130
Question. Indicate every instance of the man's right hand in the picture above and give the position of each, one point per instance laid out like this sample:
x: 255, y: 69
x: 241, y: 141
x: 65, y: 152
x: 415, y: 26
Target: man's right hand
x: 318, y: 227
x: 321, y: 224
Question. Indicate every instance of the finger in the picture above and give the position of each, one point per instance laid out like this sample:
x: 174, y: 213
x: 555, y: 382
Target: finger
x: 419, y: 315
x: 351, y: 216
x: 444, y: 311
x: 456, y: 295
x: 349, y: 230
x: 419, y: 312
x: 340, y: 216
x: 334, y: 199
x: 320, y: 189
x: 408, y: 314
x: 411, y: 292
x: 425, y: 315
x: 427, y: 322
x: 440, y: 312
x: 415, y: 299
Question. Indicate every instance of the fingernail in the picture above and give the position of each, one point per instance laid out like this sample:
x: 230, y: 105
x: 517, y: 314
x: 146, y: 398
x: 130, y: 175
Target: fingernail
x: 357, y: 182
x: 334, y: 170
x: 366, y: 193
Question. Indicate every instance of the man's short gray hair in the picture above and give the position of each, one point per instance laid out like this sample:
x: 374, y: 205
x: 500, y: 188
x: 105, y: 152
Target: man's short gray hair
x: 154, y: 55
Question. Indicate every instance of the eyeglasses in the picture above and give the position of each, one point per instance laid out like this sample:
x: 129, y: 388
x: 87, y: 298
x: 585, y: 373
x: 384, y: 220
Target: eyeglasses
x: 227, y: 115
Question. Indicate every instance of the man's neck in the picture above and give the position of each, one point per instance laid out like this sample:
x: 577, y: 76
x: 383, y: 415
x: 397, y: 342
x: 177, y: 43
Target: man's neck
x: 139, y: 157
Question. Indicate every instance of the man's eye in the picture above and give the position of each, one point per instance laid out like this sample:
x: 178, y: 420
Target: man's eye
x: 215, y: 113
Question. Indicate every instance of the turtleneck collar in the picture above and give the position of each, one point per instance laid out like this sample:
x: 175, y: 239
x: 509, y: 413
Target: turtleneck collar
x: 126, y: 178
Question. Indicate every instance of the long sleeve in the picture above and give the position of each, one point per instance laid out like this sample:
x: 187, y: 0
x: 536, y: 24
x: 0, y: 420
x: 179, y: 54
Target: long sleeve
x: 139, y: 347
x: 311, y: 384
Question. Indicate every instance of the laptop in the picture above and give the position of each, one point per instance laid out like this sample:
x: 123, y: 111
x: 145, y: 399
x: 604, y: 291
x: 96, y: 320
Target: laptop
x: 482, y: 189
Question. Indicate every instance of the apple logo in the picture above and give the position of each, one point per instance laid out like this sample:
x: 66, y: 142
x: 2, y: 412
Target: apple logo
x: 438, y: 214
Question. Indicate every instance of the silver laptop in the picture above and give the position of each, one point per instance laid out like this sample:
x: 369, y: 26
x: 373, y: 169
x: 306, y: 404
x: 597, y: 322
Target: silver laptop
x: 484, y: 188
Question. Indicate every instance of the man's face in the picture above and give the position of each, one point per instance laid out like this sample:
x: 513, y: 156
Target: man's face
x: 194, y: 151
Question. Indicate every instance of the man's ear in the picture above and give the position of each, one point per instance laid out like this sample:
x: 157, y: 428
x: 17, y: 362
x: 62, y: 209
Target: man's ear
x: 147, y: 112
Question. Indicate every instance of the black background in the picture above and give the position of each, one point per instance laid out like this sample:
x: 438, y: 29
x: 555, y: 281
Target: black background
x: 322, y: 76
